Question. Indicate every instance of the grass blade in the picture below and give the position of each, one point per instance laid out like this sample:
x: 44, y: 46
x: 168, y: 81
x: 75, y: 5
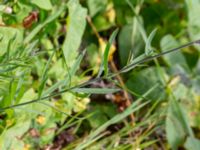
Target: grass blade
x: 148, y: 47
x: 134, y: 107
x: 106, y: 53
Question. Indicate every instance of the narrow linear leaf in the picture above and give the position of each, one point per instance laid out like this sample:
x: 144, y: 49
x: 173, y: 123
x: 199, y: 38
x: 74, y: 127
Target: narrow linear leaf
x: 134, y: 107
x: 134, y: 64
x: 95, y: 90
x: 148, y: 47
x: 77, y: 63
x: 44, y: 75
x: 74, y: 69
x: 63, y: 82
x: 106, y: 53
x: 11, y: 41
x: 114, y: 120
x: 125, y: 69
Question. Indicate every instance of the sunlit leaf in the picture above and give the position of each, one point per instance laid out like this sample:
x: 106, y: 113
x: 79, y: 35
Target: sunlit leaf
x: 192, y: 143
x: 43, y: 4
x: 95, y: 6
x: 76, y: 23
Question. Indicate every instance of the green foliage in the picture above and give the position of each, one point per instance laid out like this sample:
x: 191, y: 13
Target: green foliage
x: 57, y: 90
x: 76, y: 23
x: 192, y: 143
x: 169, y: 42
x: 193, y: 18
x: 106, y: 53
x: 95, y: 135
x: 130, y: 42
x: 141, y: 81
x: 7, y: 34
x: 177, y: 126
x: 96, y: 6
x: 43, y: 4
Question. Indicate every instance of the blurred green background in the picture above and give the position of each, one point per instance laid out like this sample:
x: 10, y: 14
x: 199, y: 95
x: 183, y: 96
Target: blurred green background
x: 48, y: 47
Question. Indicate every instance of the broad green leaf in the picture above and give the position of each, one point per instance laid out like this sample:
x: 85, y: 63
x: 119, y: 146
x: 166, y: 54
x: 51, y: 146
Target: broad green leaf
x: 101, y: 113
x: 43, y: 4
x: 8, y: 139
x: 98, y: 118
x: 45, y: 139
x: 180, y: 91
x: 93, y: 56
x: 175, y: 132
x: 169, y: 42
x: 102, y: 23
x: 76, y: 23
x: 58, y: 70
x: 28, y: 95
x: 68, y: 102
x: 177, y: 126
x: 196, y: 85
x: 192, y: 143
x: 142, y: 80
x: 96, y: 6
x: 130, y: 42
x: 193, y: 10
x: 2, y: 8
x: 8, y: 33
x: 95, y: 90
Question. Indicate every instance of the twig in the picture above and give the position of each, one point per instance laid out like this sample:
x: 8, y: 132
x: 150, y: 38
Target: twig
x: 93, y: 27
x: 125, y: 93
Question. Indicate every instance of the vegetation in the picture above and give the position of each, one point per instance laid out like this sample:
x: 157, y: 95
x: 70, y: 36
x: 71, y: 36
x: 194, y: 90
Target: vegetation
x: 99, y: 74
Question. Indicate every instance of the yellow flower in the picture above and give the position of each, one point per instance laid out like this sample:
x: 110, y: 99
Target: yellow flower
x: 174, y: 81
x: 102, y: 44
x: 40, y: 119
x: 9, y: 122
x: 26, y: 147
x: 80, y: 105
x: 110, y: 13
